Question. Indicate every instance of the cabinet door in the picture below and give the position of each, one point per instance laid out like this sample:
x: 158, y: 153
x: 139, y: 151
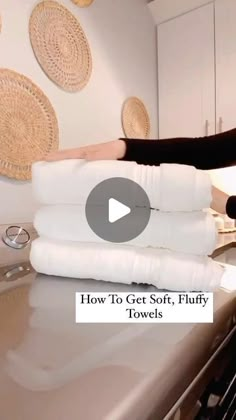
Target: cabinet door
x: 225, y: 24
x: 186, y: 74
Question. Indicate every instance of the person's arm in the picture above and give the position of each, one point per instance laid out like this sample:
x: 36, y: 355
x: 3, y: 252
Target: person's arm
x: 205, y: 153
x: 211, y: 152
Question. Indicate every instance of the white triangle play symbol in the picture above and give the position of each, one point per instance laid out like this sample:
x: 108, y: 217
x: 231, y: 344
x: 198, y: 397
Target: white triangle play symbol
x: 117, y: 210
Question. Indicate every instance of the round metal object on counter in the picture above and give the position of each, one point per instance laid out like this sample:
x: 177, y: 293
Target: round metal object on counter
x: 16, y: 237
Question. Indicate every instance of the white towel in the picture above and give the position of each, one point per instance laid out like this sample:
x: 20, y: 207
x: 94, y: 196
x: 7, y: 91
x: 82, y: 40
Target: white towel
x: 169, y: 187
x: 124, y: 264
x: 193, y: 232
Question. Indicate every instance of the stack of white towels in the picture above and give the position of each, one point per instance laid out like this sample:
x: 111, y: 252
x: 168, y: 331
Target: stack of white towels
x: 171, y: 253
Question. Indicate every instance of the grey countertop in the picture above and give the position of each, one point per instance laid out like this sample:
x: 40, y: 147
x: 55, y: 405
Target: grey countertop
x: 225, y: 242
x: 138, y: 371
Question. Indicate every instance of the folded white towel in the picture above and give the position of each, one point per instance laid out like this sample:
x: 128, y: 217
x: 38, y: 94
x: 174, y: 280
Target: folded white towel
x: 124, y: 264
x: 169, y: 187
x: 193, y: 232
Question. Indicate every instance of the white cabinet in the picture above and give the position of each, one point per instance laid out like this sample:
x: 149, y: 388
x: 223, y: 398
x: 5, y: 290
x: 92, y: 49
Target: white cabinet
x: 197, y: 77
x: 225, y: 36
x: 225, y: 23
x: 186, y: 74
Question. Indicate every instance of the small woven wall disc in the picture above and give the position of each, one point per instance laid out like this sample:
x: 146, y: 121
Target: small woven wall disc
x: 135, y: 119
x: 28, y: 125
x: 60, y: 46
x: 83, y: 3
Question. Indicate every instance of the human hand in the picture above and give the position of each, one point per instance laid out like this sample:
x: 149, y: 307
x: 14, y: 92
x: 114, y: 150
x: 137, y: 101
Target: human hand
x: 112, y: 150
x: 219, y: 200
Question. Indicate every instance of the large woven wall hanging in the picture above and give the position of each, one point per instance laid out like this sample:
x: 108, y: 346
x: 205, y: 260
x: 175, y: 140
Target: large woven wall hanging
x: 83, y: 3
x: 28, y: 125
x: 135, y: 119
x: 60, y: 46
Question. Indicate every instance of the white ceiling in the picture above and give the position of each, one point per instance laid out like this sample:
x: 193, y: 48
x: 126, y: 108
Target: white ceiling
x: 163, y: 10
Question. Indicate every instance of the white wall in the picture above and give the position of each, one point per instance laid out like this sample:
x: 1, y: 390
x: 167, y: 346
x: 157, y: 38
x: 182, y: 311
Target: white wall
x: 163, y: 10
x: 122, y: 40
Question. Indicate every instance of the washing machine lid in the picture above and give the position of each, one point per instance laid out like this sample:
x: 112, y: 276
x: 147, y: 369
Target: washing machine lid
x: 115, y: 379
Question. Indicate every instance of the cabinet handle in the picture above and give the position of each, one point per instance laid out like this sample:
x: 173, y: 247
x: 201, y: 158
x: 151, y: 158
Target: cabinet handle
x: 220, y: 125
x: 206, y: 128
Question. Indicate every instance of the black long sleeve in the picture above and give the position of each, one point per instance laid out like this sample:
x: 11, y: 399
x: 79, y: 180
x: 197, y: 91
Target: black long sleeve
x: 211, y: 152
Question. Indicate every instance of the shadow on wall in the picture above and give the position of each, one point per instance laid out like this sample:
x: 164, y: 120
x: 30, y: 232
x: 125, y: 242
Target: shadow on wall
x: 125, y: 31
x: 11, y: 200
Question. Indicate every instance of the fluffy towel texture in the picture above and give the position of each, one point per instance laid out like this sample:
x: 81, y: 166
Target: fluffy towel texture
x: 124, y: 264
x: 169, y: 187
x: 193, y: 233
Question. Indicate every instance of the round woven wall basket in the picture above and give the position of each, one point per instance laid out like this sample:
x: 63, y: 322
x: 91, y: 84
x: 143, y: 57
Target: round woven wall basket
x: 28, y: 125
x: 60, y: 46
x: 82, y: 3
x: 135, y: 119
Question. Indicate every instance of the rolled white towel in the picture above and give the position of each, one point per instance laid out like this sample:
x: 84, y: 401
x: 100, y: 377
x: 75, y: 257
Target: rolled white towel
x: 169, y: 187
x: 192, y: 233
x: 124, y: 264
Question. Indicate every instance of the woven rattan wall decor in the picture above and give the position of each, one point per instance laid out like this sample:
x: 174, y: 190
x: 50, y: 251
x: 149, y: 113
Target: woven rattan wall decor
x: 60, y: 46
x: 83, y: 3
x: 28, y: 125
x: 135, y: 119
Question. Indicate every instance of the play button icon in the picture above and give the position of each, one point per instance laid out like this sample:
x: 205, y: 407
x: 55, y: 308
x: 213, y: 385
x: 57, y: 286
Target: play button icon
x: 118, y: 210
